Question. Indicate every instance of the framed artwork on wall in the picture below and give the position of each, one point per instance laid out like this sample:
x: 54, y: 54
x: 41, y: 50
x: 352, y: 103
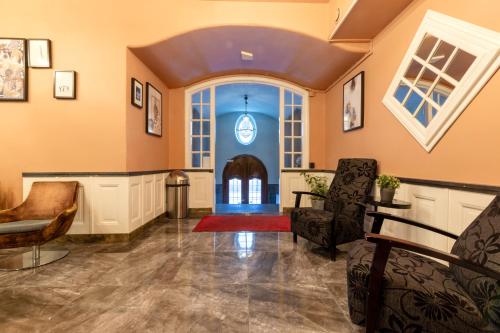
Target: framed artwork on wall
x: 153, y: 110
x: 353, y: 103
x: 39, y: 53
x: 136, y: 93
x: 65, y: 84
x: 13, y: 70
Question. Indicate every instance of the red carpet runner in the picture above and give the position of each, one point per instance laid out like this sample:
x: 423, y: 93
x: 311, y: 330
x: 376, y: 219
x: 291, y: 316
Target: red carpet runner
x: 216, y: 223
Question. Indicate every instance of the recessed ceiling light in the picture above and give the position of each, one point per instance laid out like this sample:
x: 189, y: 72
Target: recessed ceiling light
x: 246, y: 56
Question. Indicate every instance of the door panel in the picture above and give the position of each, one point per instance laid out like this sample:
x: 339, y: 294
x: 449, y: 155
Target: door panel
x: 245, y: 168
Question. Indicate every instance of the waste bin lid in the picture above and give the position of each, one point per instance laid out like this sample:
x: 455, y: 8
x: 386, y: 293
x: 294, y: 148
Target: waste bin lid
x: 177, y: 177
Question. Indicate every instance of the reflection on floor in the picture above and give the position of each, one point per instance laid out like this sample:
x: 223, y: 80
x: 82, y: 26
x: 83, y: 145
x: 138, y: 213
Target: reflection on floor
x: 268, y: 209
x: 172, y: 280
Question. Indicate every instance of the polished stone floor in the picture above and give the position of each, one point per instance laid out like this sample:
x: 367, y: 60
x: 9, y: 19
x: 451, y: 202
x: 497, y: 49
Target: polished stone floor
x: 172, y: 280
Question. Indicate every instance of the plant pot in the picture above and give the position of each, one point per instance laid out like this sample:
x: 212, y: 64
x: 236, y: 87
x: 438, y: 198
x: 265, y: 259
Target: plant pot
x: 318, y: 204
x: 387, y: 194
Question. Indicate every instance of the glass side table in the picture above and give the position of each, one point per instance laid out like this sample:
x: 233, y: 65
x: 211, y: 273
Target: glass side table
x: 394, y: 204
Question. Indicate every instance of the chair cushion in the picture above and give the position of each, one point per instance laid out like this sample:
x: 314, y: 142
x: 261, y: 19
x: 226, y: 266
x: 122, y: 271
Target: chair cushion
x: 23, y: 226
x: 480, y: 243
x: 313, y: 224
x: 419, y: 294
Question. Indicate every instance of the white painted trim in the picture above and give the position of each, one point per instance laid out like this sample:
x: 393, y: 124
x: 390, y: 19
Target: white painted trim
x: 212, y: 84
x: 482, y: 43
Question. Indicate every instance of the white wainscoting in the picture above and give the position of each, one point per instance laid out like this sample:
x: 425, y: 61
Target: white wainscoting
x: 447, y: 209
x: 201, y: 190
x: 114, y: 204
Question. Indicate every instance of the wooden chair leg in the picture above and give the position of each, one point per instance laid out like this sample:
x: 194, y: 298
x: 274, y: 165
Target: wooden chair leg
x: 295, y: 237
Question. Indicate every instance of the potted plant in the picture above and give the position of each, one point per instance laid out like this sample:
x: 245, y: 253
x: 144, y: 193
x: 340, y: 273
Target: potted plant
x: 388, y: 186
x: 318, y: 185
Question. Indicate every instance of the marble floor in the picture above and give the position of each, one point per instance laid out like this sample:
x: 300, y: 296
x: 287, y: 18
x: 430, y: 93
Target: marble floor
x: 172, y: 280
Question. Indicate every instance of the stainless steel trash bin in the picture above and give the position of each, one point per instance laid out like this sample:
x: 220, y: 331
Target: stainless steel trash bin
x: 177, y: 184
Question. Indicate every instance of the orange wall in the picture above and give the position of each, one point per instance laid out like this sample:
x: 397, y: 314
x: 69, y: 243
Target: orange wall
x: 98, y: 131
x: 468, y: 152
x: 144, y: 151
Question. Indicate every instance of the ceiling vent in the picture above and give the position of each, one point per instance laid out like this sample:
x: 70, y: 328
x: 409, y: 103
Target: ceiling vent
x: 246, y: 56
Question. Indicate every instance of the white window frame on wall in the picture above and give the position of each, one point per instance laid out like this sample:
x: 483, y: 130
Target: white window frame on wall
x: 482, y: 43
x: 251, y: 79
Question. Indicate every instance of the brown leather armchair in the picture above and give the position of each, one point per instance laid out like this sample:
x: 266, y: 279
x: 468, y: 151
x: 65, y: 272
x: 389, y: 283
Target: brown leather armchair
x: 47, y: 213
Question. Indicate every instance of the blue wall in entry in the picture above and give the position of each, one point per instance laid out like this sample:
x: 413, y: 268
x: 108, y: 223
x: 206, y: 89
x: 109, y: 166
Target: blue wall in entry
x: 265, y: 146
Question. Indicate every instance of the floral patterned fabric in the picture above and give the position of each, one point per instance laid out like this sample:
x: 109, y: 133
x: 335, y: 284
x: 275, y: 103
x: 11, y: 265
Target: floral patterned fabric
x: 421, y: 295
x: 353, y: 182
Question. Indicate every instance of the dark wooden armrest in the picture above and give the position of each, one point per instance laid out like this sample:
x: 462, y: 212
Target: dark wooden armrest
x: 429, y: 251
x: 379, y: 220
x: 298, y: 196
x: 8, y: 215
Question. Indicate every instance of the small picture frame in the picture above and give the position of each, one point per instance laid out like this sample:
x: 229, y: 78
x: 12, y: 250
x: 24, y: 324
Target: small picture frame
x: 154, y: 123
x: 65, y: 84
x: 39, y: 53
x: 353, y: 103
x: 136, y: 93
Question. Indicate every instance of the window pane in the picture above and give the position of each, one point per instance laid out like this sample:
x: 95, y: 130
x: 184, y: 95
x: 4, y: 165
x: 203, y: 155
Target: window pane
x: 196, y: 160
x: 195, y: 98
x: 195, y: 125
x: 413, y: 102
x: 288, y: 129
x: 206, y: 111
x: 195, y: 144
x: 297, y: 160
x: 442, y: 91
x: 288, y: 144
x: 235, y: 191
x: 196, y: 111
x: 460, y: 64
x: 206, y: 144
x: 288, y: 113
x: 297, y: 145
x: 288, y: 160
x: 205, y: 160
x: 401, y: 92
x: 426, y: 46
x: 297, y: 99
x: 297, y: 113
x: 413, y: 71
x: 426, y: 113
x: 426, y: 80
x: 441, y: 55
x: 297, y: 129
x: 288, y: 97
x: 206, y: 96
x: 206, y: 128
x: 254, y: 191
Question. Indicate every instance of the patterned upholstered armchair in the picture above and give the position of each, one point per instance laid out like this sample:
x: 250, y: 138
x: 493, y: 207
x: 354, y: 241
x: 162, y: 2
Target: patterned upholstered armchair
x: 342, y: 220
x: 393, y: 290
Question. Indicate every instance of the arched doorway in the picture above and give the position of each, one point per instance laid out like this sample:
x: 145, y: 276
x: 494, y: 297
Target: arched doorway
x: 244, y: 181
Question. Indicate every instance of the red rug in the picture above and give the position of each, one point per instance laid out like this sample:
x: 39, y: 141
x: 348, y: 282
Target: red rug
x: 216, y: 223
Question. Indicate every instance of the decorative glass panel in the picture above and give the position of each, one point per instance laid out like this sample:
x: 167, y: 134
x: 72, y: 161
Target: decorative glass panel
x: 196, y: 111
x: 297, y: 161
x: 413, y: 102
x: 200, y: 128
x: 195, y: 144
x: 441, y: 55
x: 288, y: 129
x: 206, y: 144
x: 401, y: 92
x: 288, y: 160
x: 288, y: 112
x: 297, y: 113
x: 235, y: 191
x: 245, y: 129
x: 426, y: 47
x: 195, y: 125
x: 206, y: 96
x: 297, y: 129
x: 206, y: 128
x: 293, y: 130
x: 426, y: 80
x: 459, y: 65
x: 255, y: 191
x: 196, y: 160
x: 413, y: 71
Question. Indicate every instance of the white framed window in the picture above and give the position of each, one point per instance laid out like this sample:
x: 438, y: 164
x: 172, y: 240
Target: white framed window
x: 235, y: 191
x: 200, y: 128
x: 294, y: 130
x: 255, y: 191
x: 446, y: 65
x: 245, y: 129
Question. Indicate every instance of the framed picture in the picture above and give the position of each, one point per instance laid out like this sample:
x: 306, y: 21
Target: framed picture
x: 153, y: 110
x: 39, y: 53
x: 353, y: 103
x: 65, y: 84
x: 136, y: 93
x: 13, y: 70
